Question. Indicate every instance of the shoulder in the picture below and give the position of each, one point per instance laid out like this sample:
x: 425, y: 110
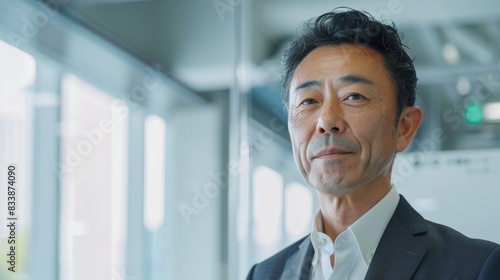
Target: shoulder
x: 491, y: 268
x: 452, y: 253
x: 448, y: 239
x: 272, y: 267
x: 447, y: 251
x: 434, y: 250
x: 440, y: 236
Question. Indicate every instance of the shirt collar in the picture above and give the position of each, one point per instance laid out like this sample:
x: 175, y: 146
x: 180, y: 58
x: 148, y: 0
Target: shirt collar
x: 318, y: 237
x: 367, y: 230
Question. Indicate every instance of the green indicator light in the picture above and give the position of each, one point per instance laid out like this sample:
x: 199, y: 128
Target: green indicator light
x: 474, y: 114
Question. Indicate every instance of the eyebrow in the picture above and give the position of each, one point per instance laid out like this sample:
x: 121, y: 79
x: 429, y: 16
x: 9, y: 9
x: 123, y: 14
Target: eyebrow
x: 347, y: 79
x: 355, y: 79
x: 308, y: 85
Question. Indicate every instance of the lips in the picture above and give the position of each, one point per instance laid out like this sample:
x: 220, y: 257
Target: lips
x: 331, y: 152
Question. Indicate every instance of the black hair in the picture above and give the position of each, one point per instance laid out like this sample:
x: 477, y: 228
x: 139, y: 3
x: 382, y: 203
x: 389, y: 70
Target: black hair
x: 357, y: 28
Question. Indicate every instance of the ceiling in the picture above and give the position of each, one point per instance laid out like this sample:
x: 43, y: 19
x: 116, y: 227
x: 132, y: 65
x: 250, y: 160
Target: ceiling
x: 194, y: 40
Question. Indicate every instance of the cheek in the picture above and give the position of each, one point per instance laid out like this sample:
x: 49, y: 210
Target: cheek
x: 381, y: 139
x: 375, y: 137
x: 299, y: 144
x: 299, y: 135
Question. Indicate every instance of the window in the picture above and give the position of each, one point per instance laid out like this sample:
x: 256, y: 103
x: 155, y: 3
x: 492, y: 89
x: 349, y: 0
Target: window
x: 17, y: 75
x: 267, y: 208
x: 154, y: 185
x: 93, y: 172
x: 298, y: 211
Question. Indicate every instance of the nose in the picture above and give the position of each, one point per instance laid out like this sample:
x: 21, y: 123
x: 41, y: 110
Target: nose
x: 330, y: 119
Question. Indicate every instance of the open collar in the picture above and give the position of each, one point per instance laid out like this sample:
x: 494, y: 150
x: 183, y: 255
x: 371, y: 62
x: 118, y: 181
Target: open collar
x: 402, y: 246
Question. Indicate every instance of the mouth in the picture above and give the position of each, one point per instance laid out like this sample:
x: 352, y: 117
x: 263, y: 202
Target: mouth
x: 329, y: 153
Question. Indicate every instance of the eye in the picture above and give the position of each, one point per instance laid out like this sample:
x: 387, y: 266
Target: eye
x: 308, y: 101
x: 355, y: 96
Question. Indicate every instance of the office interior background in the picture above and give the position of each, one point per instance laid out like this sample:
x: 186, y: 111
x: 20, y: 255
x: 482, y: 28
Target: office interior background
x: 149, y: 140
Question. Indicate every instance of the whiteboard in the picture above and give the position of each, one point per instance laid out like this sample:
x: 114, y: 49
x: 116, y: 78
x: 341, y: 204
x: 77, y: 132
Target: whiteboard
x: 460, y: 189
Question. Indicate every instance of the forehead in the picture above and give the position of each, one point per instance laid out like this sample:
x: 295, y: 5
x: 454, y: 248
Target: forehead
x: 330, y: 62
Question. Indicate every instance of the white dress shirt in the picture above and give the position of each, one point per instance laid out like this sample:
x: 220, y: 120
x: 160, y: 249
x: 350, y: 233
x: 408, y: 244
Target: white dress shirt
x: 353, y: 248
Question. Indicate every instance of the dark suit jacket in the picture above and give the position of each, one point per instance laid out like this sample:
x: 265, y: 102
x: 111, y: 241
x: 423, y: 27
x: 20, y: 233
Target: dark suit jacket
x: 410, y: 248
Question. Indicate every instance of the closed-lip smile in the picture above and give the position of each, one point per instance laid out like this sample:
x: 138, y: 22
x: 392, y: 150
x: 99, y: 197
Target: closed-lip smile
x: 330, y: 152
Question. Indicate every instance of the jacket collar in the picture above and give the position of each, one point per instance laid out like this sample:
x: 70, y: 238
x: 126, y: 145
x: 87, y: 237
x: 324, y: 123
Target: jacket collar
x: 298, y: 265
x: 402, y: 246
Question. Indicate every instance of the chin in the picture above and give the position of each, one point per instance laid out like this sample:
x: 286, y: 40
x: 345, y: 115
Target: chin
x: 331, y: 188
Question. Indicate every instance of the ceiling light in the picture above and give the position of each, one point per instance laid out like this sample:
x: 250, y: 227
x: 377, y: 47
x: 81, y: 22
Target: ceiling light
x: 450, y: 53
x: 491, y: 112
x: 463, y: 86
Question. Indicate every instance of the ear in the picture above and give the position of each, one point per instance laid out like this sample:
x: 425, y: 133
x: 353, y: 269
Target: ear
x: 408, y: 124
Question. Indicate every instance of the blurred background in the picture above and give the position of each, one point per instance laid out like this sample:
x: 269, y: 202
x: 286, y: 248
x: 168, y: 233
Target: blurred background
x: 150, y: 142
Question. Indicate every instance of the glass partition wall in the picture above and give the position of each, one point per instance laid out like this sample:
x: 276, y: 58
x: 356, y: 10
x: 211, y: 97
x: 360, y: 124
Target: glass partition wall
x: 107, y: 170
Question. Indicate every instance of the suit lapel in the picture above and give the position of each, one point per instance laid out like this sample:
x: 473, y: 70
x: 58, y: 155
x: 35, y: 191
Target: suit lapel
x: 298, y: 265
x: 402, y: 246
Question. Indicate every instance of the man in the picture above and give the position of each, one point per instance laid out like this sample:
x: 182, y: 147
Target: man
x: 349, y: 87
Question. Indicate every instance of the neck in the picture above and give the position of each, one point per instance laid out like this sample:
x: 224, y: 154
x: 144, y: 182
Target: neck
x: 341, y: 211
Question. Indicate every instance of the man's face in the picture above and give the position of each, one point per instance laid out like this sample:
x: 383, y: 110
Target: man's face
x: 341, y: 118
